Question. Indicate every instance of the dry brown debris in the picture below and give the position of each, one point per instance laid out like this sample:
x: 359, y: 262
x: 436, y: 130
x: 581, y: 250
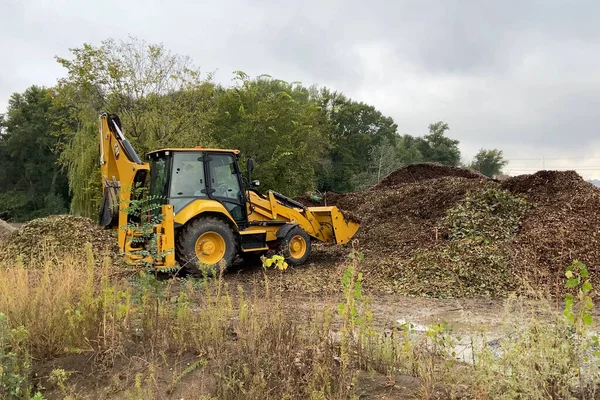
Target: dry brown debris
x: 563, y: 226
x: 401, y: 219
x: 56, y: 236
x: 420, y: 172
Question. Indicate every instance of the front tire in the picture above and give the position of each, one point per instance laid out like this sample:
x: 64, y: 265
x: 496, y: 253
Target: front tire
x: 206, y: 245
x: 296, y: 246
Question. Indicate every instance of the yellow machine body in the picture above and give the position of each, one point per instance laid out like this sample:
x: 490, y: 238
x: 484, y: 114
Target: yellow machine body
x: 326, y: 224
x: 266, y: 220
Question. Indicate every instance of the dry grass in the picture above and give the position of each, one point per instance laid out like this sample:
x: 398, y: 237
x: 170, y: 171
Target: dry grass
x: 248, y: 348
x: 90, y: 332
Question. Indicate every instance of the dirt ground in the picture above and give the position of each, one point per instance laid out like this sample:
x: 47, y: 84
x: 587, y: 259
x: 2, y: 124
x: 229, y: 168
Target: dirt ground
x: 465, y: 318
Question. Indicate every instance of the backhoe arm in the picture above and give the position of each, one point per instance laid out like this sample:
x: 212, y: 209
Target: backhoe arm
x: 121, y: 170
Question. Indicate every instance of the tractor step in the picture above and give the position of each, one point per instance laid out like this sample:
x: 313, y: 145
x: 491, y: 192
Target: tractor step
x: 253, y: 240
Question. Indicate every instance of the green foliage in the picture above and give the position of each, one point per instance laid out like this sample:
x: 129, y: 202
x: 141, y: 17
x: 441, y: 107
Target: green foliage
x: 436, y: 147
x: 15, y: 364
x: 275, y: 261
x: 160, y: 97
x: 385, y: 159
x: 352, y: 284
x: 486, y: 216
x: 144, y: 213
x: 459, y: 268
x: 32, y: 185
x: 301, y: 138
x: 278, y: 124
x: 475, y: 259
x: 558, y: 354
x: 355, y: 129
x: 578, y: 308
x: 489, y: 162
x: 79, y: 157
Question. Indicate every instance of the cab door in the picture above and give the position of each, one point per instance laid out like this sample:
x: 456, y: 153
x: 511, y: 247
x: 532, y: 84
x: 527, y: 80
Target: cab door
x: 225, y: 186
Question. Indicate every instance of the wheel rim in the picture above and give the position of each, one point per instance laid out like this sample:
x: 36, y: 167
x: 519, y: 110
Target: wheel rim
x: 210, y: 248
x: 297, y: 247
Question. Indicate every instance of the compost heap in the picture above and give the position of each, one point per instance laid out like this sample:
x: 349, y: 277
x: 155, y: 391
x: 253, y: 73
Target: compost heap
x: 54, y: 237
x: 441, y: 231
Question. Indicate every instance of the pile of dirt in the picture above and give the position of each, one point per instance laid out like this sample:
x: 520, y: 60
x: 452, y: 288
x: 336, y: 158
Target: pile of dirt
x: 564, y: 225
x: 5, y: 229
x: 399, y: 219
x: 328, y: 199
x: 425, y: 171
x: 405, y: 234
x: 56, y: 236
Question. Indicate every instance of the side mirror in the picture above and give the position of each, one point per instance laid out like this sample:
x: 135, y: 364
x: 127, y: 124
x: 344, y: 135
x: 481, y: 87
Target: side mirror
x: 250, y: 164
x: 255, y: 183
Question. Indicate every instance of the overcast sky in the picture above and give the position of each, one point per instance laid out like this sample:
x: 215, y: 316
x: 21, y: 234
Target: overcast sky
x: 521, y: 76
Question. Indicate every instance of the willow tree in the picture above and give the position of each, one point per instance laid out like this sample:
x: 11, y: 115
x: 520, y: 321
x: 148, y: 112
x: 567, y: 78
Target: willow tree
x: 160, y: 97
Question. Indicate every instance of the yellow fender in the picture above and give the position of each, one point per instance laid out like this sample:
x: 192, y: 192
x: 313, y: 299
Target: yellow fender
x: 203, y: 206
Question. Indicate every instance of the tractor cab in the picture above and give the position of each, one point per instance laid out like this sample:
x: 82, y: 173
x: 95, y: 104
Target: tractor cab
x: 182, y: 176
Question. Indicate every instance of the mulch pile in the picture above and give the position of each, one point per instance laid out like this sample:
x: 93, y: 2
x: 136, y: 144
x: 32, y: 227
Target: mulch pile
x: 424, y: 171
x: 403, y: 228
x: 563, y: 226
x: 54, y: 237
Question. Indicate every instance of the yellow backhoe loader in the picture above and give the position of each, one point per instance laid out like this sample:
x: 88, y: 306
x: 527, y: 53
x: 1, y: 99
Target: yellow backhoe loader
x: 209, y: 212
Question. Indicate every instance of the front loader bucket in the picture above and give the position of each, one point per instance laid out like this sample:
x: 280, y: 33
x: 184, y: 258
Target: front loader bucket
x: 344, y: 226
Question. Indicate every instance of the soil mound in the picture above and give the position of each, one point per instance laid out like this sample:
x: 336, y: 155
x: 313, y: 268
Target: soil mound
x: 56, y: 236
x: 563, y: 225
x: 424, y: 171
x: 398, y: 219
x: 408, y: 222
x: 328, y: 199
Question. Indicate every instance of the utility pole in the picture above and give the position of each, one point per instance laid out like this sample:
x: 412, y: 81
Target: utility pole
x: 543, y: 162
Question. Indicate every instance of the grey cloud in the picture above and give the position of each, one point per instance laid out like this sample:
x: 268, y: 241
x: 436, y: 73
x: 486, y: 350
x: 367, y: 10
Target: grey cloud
x: 520, y: 76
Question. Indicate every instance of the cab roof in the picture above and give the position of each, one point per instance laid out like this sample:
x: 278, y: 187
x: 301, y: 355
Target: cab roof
x: 197, y: 148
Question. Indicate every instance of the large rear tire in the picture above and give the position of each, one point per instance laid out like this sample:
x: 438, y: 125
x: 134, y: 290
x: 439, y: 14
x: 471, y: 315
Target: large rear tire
x: 206, y: 245
x: 296, y: 246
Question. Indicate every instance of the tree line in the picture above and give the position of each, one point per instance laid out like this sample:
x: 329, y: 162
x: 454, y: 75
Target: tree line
x: 302, y: 138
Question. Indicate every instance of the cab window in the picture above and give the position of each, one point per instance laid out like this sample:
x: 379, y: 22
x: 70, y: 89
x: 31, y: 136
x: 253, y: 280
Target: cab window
x: 188, y: 176
x: 224, y: 177
x: 158, y: 177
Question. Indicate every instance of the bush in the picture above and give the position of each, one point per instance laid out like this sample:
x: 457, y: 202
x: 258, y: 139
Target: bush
x: 15, y: 362
x: 556, y: 358
x: 477, y: 258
